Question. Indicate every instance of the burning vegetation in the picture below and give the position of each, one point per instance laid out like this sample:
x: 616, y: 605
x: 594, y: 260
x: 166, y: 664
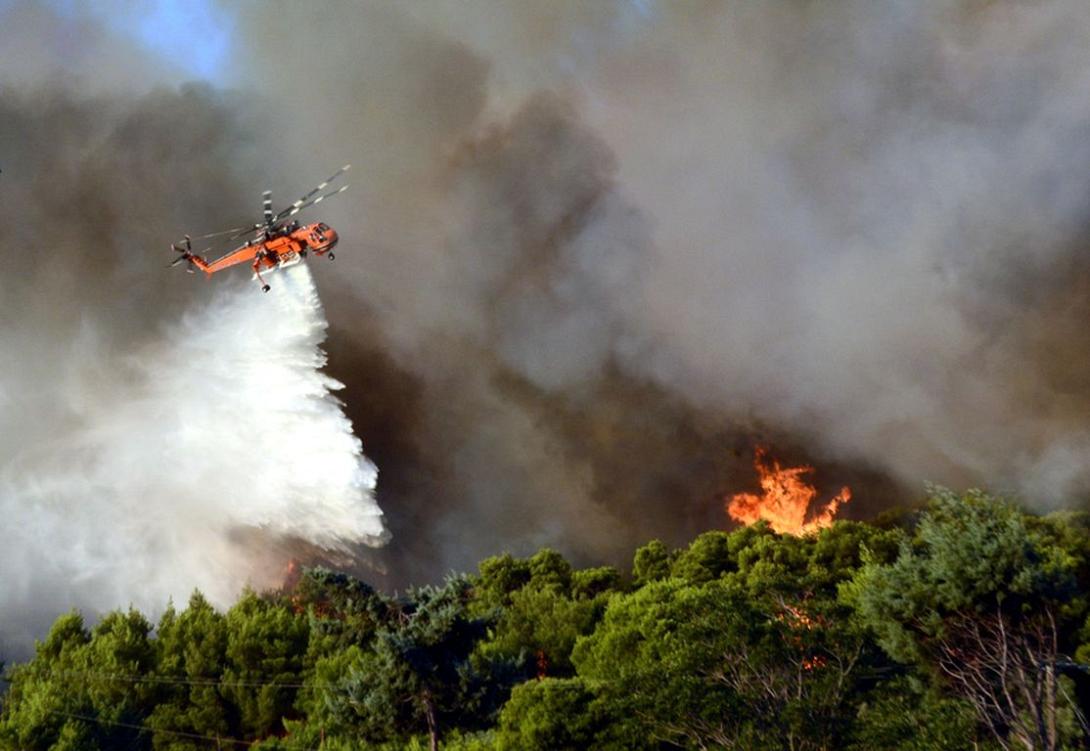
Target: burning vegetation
x: 786, y: 500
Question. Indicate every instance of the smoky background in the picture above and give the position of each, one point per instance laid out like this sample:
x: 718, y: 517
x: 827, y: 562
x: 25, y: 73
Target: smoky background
x: 593, y: 253
x: 610, y: 248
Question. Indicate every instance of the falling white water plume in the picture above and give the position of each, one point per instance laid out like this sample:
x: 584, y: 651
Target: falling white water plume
x: 186, y: 462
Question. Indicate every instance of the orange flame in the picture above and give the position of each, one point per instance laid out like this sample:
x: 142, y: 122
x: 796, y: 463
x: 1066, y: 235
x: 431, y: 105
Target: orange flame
x: 799, y: 619
x: 786, y: 500
x: 292, y: 573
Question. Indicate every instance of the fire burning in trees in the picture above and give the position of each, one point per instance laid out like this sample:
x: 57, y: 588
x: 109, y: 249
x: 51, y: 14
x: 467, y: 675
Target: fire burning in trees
x: 785, y: 502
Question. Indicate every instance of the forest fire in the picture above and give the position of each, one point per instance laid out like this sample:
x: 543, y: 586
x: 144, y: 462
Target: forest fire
x: 292, y: 573
x: 785, y: 502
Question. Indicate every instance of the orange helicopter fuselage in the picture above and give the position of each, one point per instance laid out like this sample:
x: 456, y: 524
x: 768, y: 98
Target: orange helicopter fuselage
x: 282, y: 249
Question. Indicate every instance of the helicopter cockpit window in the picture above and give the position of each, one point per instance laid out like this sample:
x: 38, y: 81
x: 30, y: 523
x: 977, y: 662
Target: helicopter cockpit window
x: 323, y: 226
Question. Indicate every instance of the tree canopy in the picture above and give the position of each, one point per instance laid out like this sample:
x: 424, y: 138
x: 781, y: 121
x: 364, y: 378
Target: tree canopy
x: 964, y: 624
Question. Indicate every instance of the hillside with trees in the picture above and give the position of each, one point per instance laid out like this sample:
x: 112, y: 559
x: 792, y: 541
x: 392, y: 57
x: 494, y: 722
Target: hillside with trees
x: 961, y: 625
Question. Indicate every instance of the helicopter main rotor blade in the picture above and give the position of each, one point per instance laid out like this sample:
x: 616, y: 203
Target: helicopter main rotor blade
x: 319, y: 199
x: 248, y: 230
x: 298, y: 205
x: 266, y: 199
x: 272, y: 219
x: 225, y: 232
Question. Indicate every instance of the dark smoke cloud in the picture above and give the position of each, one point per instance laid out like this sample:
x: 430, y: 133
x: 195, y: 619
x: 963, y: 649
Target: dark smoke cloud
x: 612, y: 246
x: 593, y: 253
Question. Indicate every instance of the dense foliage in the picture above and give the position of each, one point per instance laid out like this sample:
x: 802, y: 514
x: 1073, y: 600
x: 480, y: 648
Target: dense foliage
x: 965, y: 625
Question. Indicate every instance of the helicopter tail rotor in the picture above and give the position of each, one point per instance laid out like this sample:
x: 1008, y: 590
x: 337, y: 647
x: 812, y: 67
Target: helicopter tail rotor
x: 187, y: 255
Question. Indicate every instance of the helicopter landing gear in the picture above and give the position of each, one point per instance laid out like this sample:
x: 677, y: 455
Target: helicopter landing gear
x: 331, y: 256
x: 265, y: 288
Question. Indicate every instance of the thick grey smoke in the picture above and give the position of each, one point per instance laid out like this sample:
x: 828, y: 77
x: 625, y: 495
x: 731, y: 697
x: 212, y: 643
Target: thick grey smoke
x: 593, y: 252
x: 612, y: 245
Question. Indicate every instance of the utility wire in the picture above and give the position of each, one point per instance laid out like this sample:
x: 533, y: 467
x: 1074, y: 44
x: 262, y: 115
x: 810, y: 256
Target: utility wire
x: 178, y: 733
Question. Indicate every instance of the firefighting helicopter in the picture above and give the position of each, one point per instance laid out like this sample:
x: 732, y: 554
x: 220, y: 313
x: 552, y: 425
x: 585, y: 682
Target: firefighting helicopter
x: 278, y: 242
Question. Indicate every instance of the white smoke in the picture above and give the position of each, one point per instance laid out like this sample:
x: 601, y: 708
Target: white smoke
x: 182, y: 462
